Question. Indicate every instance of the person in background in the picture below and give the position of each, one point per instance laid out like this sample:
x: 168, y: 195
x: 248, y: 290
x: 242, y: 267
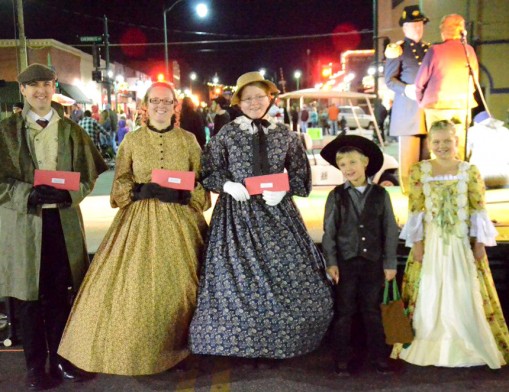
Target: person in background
x: 286, y: 116
x: 294, y: 114
x: 43, y: 254
x: 343, y: 125
x: 130, y: 121
x: 112, y: 115
x: 106, y: 143
x: 76, y: 113
x: 93, y: 129
x: 448, y: 287
x: 95, y: 112
x: 221, y: 116
x: 132, y: 315
x: 359, y: 244
x: 303, y: 119
x: 122, y: 130
x: 192, y: 121
x: 443, y: 85
x: 332, y: 116
x: 313, y: 117
x: 403, y: 59
x: 276, y: 113
x: 263, y: 291
x: 232, y: 110
x: 324, y: 121
x: 17, y: 107
x: 380, y: 116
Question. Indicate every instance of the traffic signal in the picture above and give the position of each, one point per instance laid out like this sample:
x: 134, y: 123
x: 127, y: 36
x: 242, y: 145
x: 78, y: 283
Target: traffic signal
x: 96, y: 56
x: 97, y: 76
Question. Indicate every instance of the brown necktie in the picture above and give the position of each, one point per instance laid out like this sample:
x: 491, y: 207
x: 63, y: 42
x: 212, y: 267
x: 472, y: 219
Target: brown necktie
x: 42, y: 122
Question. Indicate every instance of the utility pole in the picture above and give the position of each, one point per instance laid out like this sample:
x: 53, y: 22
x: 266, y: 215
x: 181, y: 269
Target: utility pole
x: 23, y: 55
x: 107, y: 58
x: 376, y: 45
x: 308, y: 70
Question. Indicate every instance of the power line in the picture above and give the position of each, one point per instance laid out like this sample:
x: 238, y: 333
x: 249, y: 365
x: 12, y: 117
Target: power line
x: 241, y: 40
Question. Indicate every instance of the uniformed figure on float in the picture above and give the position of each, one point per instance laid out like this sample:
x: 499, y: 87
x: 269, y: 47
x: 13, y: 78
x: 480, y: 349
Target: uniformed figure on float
x: 403, y: 59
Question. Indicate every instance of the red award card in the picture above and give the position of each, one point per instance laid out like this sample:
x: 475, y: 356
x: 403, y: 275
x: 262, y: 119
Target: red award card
x: 67, y: 180
x: 174, y: 179
x: 272, y: 182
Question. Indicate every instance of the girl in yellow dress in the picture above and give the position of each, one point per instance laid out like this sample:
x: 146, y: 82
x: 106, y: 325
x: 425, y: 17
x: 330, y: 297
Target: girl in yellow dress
x: 133, y: 311
x: 447, y: 285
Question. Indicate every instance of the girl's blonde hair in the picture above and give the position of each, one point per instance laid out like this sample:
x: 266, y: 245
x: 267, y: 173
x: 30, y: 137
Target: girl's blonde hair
x: 443, y: 125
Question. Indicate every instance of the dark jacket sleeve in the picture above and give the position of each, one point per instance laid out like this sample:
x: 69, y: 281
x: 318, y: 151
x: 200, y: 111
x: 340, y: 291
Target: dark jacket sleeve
x: 330, y: 230
x: 392, y: 73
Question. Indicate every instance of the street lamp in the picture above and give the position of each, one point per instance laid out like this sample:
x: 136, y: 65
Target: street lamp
x: 215, y: 79
x: 201, y: 10
x: 192, y: 78
x: 297, y: 75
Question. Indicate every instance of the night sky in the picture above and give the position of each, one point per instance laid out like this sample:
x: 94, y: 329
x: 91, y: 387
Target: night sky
x: 142, y: 22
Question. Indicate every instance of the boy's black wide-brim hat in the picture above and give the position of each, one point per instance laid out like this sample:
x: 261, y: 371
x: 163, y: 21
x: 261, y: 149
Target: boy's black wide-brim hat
x: 366, y: 146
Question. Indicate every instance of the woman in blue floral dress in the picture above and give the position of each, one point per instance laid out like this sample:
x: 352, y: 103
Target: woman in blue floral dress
x: 263, y: 291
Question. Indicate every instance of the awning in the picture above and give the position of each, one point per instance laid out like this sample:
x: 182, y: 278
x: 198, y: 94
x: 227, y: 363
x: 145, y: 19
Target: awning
x: 9, y: 93
x: 74, y: 93
x: 63, y: 100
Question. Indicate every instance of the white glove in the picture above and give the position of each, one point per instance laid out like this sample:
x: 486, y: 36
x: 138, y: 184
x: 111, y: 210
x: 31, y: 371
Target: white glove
x: 273, y: 198
x: 236, y: 190
x: 410, y: 92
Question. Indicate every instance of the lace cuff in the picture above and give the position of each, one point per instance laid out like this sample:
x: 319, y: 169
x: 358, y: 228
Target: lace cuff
x: 413, y: 229
x: 482, y: 228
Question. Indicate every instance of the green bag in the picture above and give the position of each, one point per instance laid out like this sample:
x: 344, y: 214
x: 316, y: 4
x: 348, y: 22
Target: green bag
x: 315, y: 133
x: 397, y: 326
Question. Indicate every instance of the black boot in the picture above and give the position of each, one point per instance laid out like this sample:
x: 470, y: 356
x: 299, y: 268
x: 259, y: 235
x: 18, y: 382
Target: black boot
x: 38, y: 380
x: 61, y: 369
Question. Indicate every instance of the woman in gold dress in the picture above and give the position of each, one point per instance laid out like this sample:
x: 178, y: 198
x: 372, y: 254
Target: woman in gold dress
x: 132, y: 314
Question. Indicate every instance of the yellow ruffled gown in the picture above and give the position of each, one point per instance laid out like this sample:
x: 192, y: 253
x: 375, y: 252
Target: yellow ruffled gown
x: 133, y: 311
x: 453, y: 303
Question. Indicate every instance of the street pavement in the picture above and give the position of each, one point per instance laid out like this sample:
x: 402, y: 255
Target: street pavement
x: 309, y: 373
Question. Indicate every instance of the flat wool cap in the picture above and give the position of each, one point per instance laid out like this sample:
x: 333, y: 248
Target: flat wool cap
x: 35, y: 73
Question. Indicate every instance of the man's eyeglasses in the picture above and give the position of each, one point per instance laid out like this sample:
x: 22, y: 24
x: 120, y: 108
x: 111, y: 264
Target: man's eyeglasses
x: 257, y: 98
x: 157, y: 101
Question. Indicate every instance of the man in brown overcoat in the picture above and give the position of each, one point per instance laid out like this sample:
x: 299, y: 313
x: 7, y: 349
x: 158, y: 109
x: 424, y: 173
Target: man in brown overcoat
x: 43, y: 253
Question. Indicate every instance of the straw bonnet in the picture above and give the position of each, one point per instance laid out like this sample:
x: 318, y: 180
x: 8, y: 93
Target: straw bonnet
x: 366, y: 146
x: 248, y: 78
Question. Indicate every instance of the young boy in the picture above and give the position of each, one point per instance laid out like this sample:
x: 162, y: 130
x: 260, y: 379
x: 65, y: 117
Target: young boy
x: 359, y: 245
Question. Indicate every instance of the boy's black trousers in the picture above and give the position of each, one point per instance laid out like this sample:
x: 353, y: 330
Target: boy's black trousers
x: 359, y: 290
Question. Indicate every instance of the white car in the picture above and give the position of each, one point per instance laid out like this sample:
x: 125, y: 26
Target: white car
x: 356, y: 117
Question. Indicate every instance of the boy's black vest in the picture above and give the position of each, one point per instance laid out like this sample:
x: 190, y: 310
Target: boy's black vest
x: 360, y: 234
